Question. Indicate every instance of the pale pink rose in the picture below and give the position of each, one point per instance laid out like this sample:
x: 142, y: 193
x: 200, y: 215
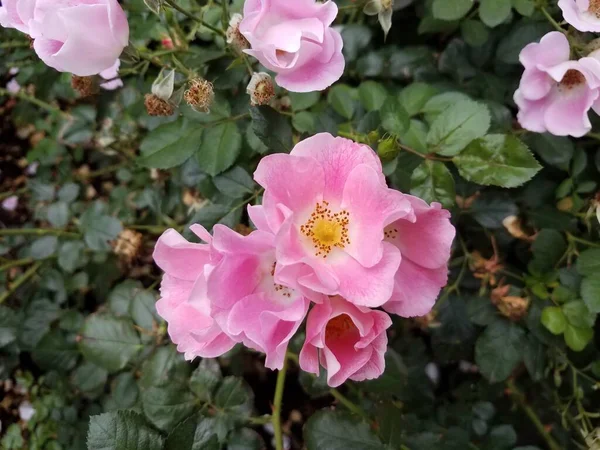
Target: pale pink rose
x: 247, y: 302
x: 556, y: 94
x: 112, y: 76
x: 425, y: 245
x: 328, y: 204
x: 349, y: 341
x: 83, y: 37
x: 582, y: 14
x: 13, y: 86
x: 183, y: 302
x: 10, y: 203
x: 295, y: 40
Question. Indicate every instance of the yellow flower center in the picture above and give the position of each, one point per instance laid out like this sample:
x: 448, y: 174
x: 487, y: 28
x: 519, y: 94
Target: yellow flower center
x: 326, y: 229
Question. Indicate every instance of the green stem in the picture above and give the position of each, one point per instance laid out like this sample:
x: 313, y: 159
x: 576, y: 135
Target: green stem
x: 262, y: 420
x: 16, y: 263
x: 520, y: 398
x: 35, y: 101
x: 188, y: 14
x: 551, y: 20
x: 348, y: 404
x: 276, y: 417
x: 38, y: 232
x: 582, y: 241
x: 20, y: 281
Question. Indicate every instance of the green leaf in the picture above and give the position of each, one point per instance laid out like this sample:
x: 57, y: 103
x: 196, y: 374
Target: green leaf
x: 394, y: 379
x: 165, y: 366
x: 341, y: 99
x: 588, y: 263
x: 99, y: 229
x: 499, y: 350
x: 44, y: 247
x: 170, y: 145
x: 394, y: 117
x: 415, y: 96
x: 89, y: 377
x: 71, y: 255
x: 497, y: 160
x: 554, y: 319
x: 494, y: 12
x: 168, y: 405
x: 205, y: 379
x: 578, y: 314
x: 334, y: 430
x: 451, y: 9
x: 245, y: 439
x: 235, y: 395
x: 502, y: 437
x: 54, y: 352
x: 305, y: 122
x: 433, y: 182
x: 590, y: 292
x: 474, y: 33
x: 194, y: 433
x: 554, y: 150
x: 272, y: 128
x: 548, y: 248
x: 12, y: 439
x: 58, y: 214
x: 491, y: 210
x: 578, y: 338
x: 235, y: 183
x: 122, y: 430
x: 220, y: 147
x: 122, y: 295
x: 372, y: 95
x: 8, y: 326
x: 304, y: 100
x: 534, y: 357
x: 109, y: 342
x: 524, y: 7
x: 457, y: 126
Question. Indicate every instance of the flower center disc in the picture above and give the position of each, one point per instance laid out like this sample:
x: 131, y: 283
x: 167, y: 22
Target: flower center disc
x: 572, y: 78
x: 594, y: 7
x: 339, y: 327
x: 326, y: 229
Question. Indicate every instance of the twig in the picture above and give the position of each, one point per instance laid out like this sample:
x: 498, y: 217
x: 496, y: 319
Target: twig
x: 35, y: 101
x: 20, y: 281
x: 38, y: 232
x: 188, y: 14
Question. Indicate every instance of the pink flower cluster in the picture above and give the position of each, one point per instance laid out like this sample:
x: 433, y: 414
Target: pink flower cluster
x: 333, y: 246
x: 83, y: 37
x: 295, y: 40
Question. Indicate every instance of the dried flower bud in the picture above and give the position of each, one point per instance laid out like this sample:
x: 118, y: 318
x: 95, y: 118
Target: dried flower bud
x: 128, y: 245
x: 157, y: 106
x: 86, y: 86
x: 513, y: 307
x: 261, y: 89
x: 234, y: 37
x: 200, y: 95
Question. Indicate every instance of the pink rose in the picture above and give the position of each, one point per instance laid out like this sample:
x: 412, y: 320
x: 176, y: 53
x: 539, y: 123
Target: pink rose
x: 253, y: 309
x: 348, y: 341
x: 295, y: 40
x: 556, y: 94
x: 328, y: 204
x: 582, y: 14
x: 111, y: 75
x: 83, y: 37
x: 183, y: 302
x: 425, y: 245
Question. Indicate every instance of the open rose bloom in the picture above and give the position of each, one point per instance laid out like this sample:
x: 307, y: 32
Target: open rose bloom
x: 335, y: 252
x: 83, y: 37
x: 556, y: 94
x: 582, y: 14
x: 295, y: 40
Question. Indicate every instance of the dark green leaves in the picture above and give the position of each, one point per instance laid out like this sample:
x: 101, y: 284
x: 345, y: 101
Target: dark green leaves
x: 109, y: 342
x: 341, y: 99
x: 589, y: 262
x: 457, y: 126
x: 499, y: 160
x: 451, y: 9
x: 170, y: 144
x: 122, y: 430
x: 499, y: 349
x: 220, y: 148
x: 98, y: 229
x: 394, y: 117
x: 494, y: 12
x: 195, y: 433
x: 433, y: 182
x: 339, y: 431
x: 272, y: 128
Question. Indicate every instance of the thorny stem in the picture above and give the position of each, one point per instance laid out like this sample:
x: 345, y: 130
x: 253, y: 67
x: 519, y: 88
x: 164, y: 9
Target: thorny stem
x: 20, y: 281
x: 551, y: 20
x: 570, y: 237
x: 186, y: 13
x: 35, y: 101
x: 276, y: 417
x: 520, y: 398
x: 38, y: 232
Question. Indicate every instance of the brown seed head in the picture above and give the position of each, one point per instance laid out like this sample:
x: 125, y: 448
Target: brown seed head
x: 157, y: 106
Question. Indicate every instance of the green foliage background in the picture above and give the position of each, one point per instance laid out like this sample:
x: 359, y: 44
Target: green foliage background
x: 79, y: 335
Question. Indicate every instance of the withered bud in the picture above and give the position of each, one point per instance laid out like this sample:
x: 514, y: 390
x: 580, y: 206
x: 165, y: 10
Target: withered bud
x: 157, y: 106
x: 128, y: 245
x: 200, y: 95
x: 85, y: 86
x: 512, y: 307
x: 234, y: 37
x: 261, y: 89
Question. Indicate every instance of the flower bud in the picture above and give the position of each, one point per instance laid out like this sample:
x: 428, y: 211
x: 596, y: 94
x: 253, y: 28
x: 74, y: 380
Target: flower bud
x: 86, y: 86
x: 388, y: 149
x: 164, y: 84
x: 200, y: 95
x: 156, y: 106
x: 261, y: 89
x: 234, y: 37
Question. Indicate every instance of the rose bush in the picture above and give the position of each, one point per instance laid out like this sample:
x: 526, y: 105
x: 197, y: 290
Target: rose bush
x: 264, y: 224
